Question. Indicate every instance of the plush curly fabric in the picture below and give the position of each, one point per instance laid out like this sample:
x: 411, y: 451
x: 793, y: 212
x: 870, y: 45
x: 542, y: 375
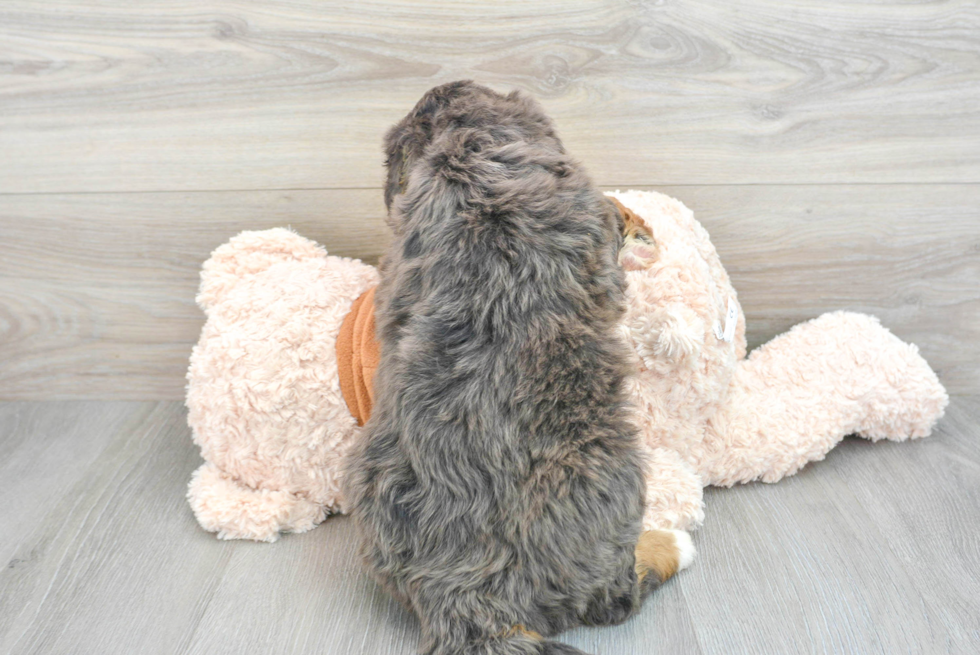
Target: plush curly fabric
x: 267, y: 410
x: 263, y: 392
x: 707, y: 412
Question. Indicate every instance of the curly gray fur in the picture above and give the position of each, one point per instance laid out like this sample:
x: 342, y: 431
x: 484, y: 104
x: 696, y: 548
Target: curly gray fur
x: 499, y: 489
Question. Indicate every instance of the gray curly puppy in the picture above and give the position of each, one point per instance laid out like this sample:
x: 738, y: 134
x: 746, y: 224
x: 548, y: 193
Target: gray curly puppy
x: 499, y: 487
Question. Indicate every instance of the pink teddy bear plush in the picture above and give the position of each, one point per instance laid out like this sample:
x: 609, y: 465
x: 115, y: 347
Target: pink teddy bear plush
x: 263, y: 394
x: 267, y: 408
x: 711, y: 416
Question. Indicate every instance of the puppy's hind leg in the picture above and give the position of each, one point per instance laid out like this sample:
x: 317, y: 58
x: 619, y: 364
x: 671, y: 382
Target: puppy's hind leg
x: 660, y: 554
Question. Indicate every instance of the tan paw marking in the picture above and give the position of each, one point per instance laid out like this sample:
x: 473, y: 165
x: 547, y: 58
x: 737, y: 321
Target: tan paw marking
x: 663, y: 553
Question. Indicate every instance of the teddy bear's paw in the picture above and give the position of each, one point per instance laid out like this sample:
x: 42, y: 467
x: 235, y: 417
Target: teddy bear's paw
x: 897, y: 394
x: 637, y: 254
x: 637, y: 257
x: 674, y: 492
x: 222, y: 504
x: 680, y: 338
x: 673, y: 332
x: 908, y: 400
x: 910, y: 412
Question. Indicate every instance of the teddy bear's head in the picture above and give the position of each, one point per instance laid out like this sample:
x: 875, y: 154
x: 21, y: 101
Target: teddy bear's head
x: 678, y: 323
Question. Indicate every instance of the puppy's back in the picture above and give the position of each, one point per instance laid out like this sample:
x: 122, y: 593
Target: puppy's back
x: 498, y: 484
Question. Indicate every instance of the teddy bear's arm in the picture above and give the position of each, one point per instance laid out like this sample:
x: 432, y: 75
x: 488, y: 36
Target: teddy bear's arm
x: 666, y: 313
x: 674, y: 494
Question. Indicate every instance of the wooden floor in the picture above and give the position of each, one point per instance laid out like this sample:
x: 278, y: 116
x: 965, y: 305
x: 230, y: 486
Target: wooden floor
x: 874, y: 550
x: 831, y: 148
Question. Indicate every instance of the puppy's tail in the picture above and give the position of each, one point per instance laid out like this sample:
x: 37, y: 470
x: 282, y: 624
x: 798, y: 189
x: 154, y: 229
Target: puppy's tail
x: 516, y: 640
x: 558, y: 648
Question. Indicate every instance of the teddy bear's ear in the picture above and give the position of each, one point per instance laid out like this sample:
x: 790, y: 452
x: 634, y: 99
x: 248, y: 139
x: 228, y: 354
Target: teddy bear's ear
x: 639, y: 249
x: 249, y: 253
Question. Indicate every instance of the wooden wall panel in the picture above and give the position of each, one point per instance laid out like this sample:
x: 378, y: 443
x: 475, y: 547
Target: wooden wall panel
x: 96, y: 290
x: 157, y: 95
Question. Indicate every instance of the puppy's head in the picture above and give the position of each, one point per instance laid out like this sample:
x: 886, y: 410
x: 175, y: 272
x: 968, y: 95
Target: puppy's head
x: 406, y: 141
x: 466, y: 117
x: 639, y: 250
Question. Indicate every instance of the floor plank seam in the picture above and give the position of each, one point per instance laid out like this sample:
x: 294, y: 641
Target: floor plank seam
x: 14, y: 194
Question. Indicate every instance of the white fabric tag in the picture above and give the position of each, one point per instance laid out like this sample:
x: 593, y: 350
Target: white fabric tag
x: 731, y: 320
x: 719, y: 332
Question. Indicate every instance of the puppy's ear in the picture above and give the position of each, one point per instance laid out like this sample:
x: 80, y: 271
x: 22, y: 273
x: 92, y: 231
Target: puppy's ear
x: 406, y: 141
x: 402, y: 147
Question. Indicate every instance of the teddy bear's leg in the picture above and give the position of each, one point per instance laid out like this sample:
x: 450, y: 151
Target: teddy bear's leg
x: 223, y: 505
x: 673, y: 494
x: 796, y: 397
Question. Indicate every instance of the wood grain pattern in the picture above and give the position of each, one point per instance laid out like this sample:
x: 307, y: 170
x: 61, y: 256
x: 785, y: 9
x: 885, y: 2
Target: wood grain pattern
x: 909, y: 255
x: 272, y: 95
x: 321, y: 603
x: 56, y: 448
x: 935, y: 523
x: 96, y: 290
x: 874, y: 550
x: 870, y: 551
x: 116, y: 565
x: 832, y: 149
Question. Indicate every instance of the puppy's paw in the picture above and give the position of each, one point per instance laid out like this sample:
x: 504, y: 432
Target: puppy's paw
x: 662, y: 553
x: 685, y: 547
